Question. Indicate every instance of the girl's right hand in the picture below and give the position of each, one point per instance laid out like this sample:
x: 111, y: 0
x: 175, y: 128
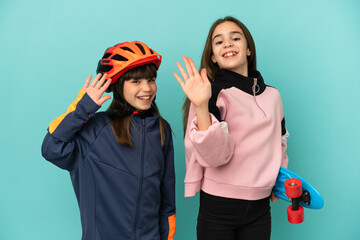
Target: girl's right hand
x: 196, y: 87
x: 96, y: 88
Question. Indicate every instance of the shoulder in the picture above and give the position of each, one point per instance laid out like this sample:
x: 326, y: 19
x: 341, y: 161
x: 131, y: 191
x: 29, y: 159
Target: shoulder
x: 167, y: 126
x: 218, y: 86
x: 100, y: 116
x: 272, y: 90
x: 98, y: 121
x: 273, y: 95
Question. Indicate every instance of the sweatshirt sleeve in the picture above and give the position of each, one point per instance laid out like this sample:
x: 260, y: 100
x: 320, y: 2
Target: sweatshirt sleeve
x: 61, y: 145
x: 167, y: 208
x: 285, y: 135
x: 213, y: 147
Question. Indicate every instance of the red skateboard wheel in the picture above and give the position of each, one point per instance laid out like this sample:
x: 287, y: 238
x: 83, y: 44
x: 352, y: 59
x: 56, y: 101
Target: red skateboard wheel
x: 295, y: 216
x: 293, y: 188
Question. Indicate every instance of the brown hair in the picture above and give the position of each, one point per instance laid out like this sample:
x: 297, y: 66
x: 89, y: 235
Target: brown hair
x: 121, y: 121
x: 212, y: 68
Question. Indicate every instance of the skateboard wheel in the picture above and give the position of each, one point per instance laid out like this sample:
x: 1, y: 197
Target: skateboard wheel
x: 295, y: 216
x: 293, y: 188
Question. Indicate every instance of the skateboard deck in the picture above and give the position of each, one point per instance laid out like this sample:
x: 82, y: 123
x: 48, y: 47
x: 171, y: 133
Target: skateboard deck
x: 309, y: 198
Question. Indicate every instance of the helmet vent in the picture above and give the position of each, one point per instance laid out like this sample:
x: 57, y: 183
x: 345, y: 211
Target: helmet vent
x: 119, y: 58
x: 140, y: 47
x: 104, y: 68
x: 152, y: 52
x: 127, y: 49
x: 106, y: 55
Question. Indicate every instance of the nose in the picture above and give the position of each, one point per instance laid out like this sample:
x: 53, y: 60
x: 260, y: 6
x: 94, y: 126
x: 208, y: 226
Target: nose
x: 228, y: 43
x: 146, y: 86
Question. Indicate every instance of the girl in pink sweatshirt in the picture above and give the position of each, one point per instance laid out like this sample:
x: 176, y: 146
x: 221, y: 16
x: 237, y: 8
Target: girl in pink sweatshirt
x: 235, y: 136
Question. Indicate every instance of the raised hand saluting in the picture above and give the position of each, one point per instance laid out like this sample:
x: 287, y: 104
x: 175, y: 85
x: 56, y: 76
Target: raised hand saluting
x: 196, y: 87
x: 96, y: 88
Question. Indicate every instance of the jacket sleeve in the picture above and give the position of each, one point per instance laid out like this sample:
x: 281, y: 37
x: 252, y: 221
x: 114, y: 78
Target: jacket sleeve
x: 213, y: 147
x: 167, y: 208
x: 61, y: 144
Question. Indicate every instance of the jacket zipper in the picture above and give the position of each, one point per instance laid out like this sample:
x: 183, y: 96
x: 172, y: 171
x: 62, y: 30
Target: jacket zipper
x: 141, y: 179
x: 256, y: 89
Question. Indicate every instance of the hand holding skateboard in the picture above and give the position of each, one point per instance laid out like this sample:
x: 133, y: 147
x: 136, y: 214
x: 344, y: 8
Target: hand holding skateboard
x: 292, y: 188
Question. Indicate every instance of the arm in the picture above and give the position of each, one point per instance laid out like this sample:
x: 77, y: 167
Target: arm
x: 285, y: 135
x: 213, y: 147
x: 196, y: 161
x: 167, y: 208
x: 60, y: 146
x: 210, y: 140
x: 284, y: 158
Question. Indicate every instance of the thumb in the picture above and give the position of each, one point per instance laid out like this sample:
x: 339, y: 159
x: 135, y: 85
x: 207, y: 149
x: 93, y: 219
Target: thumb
x: 204, y: 75
x: 104, y: 99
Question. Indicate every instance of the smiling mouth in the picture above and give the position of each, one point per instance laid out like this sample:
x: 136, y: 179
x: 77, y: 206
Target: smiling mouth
x: 144, y: 98
x: 229, y: 54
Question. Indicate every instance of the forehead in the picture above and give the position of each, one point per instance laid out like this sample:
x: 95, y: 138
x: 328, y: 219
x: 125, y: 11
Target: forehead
x: 226, y: 28
x: 139, y: 79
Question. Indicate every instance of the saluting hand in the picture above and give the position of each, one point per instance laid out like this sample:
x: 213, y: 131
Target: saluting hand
x: 96, y: 88
x: 196, y: 87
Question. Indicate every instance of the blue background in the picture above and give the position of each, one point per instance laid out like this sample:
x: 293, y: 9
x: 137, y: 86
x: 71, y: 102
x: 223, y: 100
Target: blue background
x: 308, y: 49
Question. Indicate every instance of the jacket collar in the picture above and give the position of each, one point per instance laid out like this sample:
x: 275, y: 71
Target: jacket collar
x: 228, y: 79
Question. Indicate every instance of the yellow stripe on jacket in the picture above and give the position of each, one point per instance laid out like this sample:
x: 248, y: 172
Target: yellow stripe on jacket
x: 54, y: 124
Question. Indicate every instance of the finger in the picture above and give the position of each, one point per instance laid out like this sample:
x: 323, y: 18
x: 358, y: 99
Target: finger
x: 182, y: 71
x: 106, y: 85
x: 180, y: 81
x: 87, y: 82
x: 188, y: 67
x: 101, y: 82
x: 193, y: 67
x: 103, y: 99
x: 96, y: 79
x: 204, y: 75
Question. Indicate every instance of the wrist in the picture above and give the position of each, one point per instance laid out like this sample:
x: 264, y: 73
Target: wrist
x: 202, y: 108
x: 203, y: 118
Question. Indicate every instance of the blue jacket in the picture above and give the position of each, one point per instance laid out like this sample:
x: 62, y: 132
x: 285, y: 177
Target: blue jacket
x: 123, y: 192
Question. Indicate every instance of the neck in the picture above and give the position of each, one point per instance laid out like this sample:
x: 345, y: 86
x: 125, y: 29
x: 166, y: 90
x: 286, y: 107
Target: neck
x: 242, y: 70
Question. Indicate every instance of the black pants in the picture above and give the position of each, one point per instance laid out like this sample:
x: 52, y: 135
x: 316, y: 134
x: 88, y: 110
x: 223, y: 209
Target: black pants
x: 233, y: 219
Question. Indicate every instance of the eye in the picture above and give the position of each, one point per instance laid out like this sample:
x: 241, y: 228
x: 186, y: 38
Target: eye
x: 236, y: 39
x: 218, y: 42
x: 135, y: 81
x: 152, y: 80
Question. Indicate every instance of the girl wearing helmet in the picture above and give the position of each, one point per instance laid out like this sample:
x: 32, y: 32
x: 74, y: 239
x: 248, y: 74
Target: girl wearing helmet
x: 121, y: 161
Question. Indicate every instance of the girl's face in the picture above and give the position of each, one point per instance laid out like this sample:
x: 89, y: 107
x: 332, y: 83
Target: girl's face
x: 229, y: 48
x: 140, y: 93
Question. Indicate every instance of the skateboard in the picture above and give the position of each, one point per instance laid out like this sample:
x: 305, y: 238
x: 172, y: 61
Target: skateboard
x: 293, y: 188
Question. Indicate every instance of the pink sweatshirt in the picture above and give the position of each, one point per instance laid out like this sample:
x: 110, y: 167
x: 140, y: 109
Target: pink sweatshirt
x: 240, y: 154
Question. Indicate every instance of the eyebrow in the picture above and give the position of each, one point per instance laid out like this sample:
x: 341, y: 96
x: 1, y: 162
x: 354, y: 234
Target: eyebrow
x: 232, y: 32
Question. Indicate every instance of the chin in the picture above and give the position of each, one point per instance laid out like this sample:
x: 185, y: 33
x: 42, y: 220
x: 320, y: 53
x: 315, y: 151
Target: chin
x: 143, y: 108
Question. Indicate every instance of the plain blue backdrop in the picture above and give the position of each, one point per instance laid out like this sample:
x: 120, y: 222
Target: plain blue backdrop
x: 308, y: 49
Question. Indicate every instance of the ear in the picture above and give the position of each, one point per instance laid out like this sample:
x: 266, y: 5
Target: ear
x: 248, y: 52
x: 213, y: 59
